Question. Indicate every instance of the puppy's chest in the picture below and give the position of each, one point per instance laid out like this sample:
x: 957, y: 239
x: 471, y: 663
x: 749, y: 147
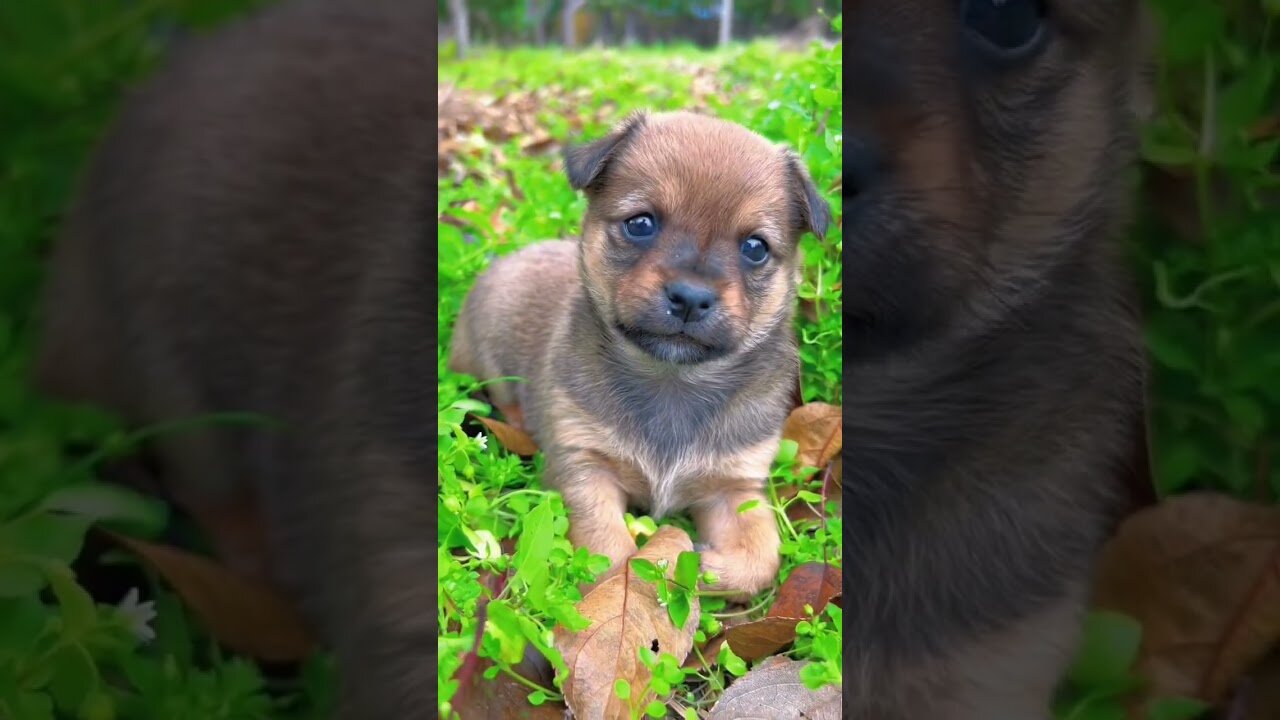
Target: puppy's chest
x: 673, y: 449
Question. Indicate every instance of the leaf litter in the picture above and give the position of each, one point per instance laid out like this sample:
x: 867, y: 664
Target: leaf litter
x: 625, y: 616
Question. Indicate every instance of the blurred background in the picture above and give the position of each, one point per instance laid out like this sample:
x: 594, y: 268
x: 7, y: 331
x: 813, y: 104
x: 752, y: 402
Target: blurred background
x: 576, y: 23
x: 1186, y: 627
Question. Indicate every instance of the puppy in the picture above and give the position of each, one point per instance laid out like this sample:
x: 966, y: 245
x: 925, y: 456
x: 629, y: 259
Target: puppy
x: 993, y: 353
x: 657, y: 352
x: 254, y: 235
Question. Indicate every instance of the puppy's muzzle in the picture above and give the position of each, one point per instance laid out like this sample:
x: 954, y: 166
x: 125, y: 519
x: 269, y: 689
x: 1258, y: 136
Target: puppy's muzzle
x: 689, y: 301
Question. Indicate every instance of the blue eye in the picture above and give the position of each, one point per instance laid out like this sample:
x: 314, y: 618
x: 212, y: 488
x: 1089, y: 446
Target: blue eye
x: 1010, y: 28
x: 755, y: 250
x: 640, y: 228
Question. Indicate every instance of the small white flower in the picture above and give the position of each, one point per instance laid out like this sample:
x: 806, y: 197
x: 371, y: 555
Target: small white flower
x: 482, y: 441
x: 774, y: 105
x: 138, y: 615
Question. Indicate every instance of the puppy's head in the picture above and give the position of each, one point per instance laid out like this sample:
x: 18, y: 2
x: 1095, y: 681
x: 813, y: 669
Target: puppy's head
x: 690, y: 241
x: 985, y: 148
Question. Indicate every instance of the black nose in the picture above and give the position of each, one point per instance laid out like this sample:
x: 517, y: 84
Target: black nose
x: 689, y: 301
x: 864, y: 163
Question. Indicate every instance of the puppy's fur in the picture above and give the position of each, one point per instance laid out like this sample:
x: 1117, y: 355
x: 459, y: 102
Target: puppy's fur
x: 994, y: 363
x: 254, y: 235
x: 632, y: 405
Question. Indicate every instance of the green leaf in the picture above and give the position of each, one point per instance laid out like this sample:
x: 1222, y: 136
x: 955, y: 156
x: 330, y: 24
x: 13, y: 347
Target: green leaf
x: 826, y: 97
x: 787, y: 451
x: 656, y: 709
x: 687, y: 565
x: 74, y: 676
x: 646, y: 570
x: 1108, y: 650
x: 812, y: 498
x: 748, y: 505
x: 678, y: 608
x: 44, y: 536
x: 112, y: 505
x: 731, y: 662
x: 622, y: 689
x: 1176, y: 708
x: 19, y: 579
x: 503, y: 624
x: 22, y: 621
x: 538, y: 697
x: 533, y: 550
x: 79, y: 613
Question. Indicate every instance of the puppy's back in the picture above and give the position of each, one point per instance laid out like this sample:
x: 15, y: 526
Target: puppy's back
x: 510, y: 314
x: 273, y: 149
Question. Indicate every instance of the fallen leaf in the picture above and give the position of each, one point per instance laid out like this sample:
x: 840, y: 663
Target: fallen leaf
x: 1201, y: 572
x: 513, y: 439
x: 814, y: 584
x: 774, y: 691
x: 1257, y: 697
x: 248, y: 617
x: 625, y: 616
x: 504, y: 697
x: 817, y: 428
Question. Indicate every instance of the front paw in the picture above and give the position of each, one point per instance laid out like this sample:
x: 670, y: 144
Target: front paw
x: 741, y: 571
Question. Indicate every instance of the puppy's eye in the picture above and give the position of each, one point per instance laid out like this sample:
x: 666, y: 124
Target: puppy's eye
x: 755, y: 250
x: 640, y: 228
x: 1009, y: 28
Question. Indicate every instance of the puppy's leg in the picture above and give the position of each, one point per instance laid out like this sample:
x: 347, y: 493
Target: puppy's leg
x: 744, y: 545
x: 596, y: 503
x: 1014, y: 673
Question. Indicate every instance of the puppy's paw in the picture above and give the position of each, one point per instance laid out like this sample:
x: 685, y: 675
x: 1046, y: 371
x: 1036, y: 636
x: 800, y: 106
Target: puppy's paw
x: 740, y: 571
x: 616, y: 544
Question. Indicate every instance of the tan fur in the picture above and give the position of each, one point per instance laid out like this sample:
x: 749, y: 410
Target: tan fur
x: 541, y: 312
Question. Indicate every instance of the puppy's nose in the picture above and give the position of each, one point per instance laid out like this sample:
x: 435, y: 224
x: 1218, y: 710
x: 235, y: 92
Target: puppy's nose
x: 689, y: 301
x: 864, y: 163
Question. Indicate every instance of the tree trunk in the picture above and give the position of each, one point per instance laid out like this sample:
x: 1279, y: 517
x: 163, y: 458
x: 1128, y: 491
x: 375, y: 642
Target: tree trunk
x: 458, y: 8
x: 571, y: 8
x: 604, y: 35
x: 537, y: 17
x: 629, y: 29
x: 726, y: 20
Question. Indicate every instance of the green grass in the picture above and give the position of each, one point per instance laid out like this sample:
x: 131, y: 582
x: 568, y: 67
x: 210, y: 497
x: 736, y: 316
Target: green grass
x: 488, y: 495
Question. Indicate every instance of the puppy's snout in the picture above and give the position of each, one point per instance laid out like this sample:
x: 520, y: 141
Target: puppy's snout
x: 689, y: 301
x: 864, y: 162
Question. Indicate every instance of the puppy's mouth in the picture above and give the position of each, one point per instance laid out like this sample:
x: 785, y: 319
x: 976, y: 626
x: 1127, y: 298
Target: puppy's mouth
x: 679, y: 348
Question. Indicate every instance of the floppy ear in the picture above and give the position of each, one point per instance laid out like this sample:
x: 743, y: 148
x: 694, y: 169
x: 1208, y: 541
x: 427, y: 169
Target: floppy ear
x: 812, y: 209
x: 585, y: 164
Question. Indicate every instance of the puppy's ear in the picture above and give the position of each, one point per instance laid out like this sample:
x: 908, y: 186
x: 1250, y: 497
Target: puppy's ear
x: 811, y: 207
x: 584, y: 164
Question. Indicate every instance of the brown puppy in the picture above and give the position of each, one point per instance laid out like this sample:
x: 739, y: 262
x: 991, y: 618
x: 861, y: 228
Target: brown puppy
x: 658, y: 351
x: 254, y: 235
x: 994, y: 362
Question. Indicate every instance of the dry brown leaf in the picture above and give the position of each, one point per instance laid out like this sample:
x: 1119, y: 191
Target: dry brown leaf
x: 625, y: 616
x: 248, y: 617
x: 774, y: 691
x: 512, y: 438
x: 1201, y: 572
x: 814, y: 584
x: 504, y: 698
x: 817, y: 429
x: 1258, y: 695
